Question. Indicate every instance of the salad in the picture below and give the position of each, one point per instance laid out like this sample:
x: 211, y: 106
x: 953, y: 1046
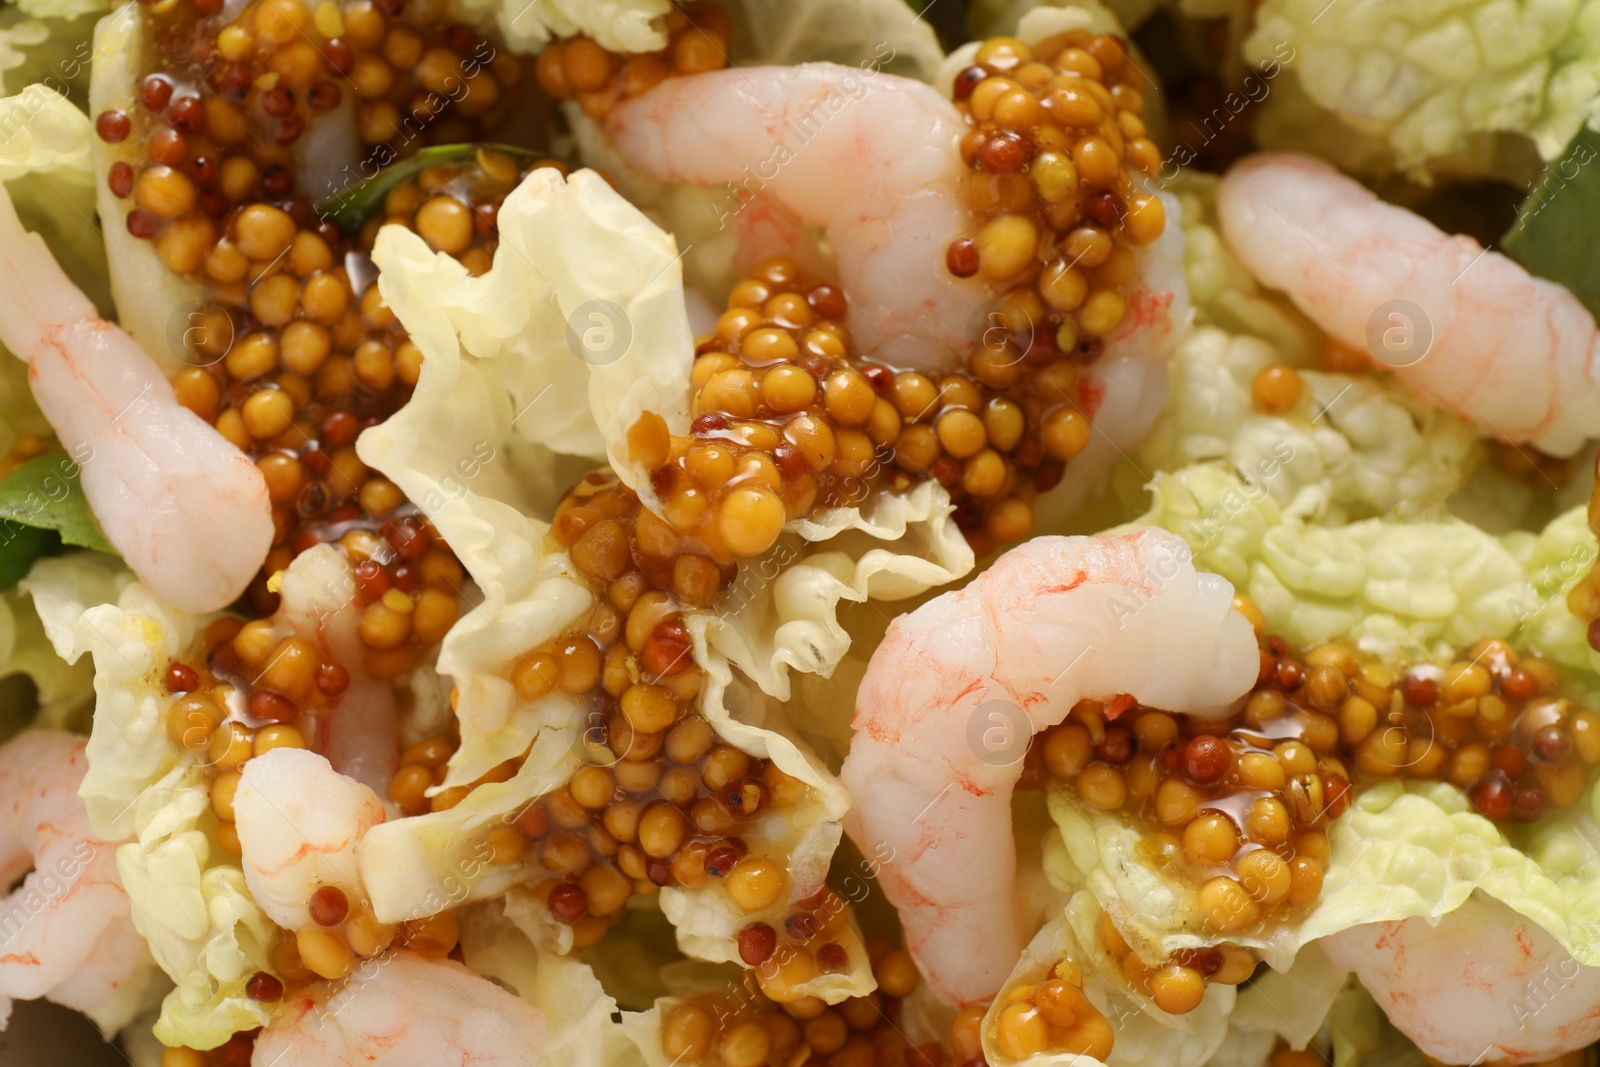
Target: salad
x: 656, y: 533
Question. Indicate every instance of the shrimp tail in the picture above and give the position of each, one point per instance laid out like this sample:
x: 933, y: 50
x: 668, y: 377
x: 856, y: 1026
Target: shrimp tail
x: 38, y: 290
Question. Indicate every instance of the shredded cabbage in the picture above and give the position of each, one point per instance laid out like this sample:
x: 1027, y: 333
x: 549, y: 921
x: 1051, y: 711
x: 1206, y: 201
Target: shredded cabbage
x: 576, y: 1007
x: 888, y: 34
x: 1438, y: 86
x: 685, y: 979
x: 988, y: 18
x: 418, y: 866
x: 1555, y: 559
x: 152, y: 302
x: 47, y: 43
x: 63, y: 692
x: 1362, y: 1036
x: 502, y: 389
x: 140, y: 1044
x: 1404, y: 850
x: 1144, y: 1034
x: 461, y: 451
x: 765, y: 31
x: 473, y: 448
x: 1416, y: 590
x: 1224, y: 293
x: 191, y: 904
x: 188, y: 897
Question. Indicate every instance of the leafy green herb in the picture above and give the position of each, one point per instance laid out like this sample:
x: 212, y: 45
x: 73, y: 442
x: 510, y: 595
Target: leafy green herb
x: 356, y: 204
x: 42, y: 509
x: 1554, y: 233
x: 19, y: 546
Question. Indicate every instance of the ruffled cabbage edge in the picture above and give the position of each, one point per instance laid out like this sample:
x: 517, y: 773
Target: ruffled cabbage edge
x: 188, y: 898
x: 46, y: 155
x: 485, y: 451
x: 64, y: 692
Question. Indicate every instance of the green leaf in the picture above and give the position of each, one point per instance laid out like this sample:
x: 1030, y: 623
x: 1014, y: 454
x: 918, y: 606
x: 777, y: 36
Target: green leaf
x: 355, y: 205
x: 19, y: 546
x: 1554, y: 233
x: 45, y: 494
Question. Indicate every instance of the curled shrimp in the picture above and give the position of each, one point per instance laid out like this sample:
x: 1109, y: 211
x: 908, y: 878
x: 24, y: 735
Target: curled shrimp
x: 299, y: 823
x: 1482, y: 985
x: 870, y: 157
x: 873, y: 159
x: 186, y: 509
x: 958, y: 687
x: 1466, y: 329
x: 66, y: 932
x: 401, y: 1010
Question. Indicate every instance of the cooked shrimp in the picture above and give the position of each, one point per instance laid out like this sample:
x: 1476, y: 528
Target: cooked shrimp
x: 956, y: 689
x: 870, y: 157
x: 401, y: 1011
x: 1512, y: 353
x: 362, y: 739
x: 299, y: 823
x: 66, y: 932
x: 186, y: 509
x: 1483, y: 985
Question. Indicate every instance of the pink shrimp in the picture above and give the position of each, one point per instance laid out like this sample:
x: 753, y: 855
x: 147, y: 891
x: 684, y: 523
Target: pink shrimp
x: 1464, y: 328
x: 958, y: 687
x: 401, y: 1010
x: 869, y: 156
x: 873, y: 159
x: 66, y: 933
x: 186, y: 509
x: 1483, y: 985
x: 299, y: 824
